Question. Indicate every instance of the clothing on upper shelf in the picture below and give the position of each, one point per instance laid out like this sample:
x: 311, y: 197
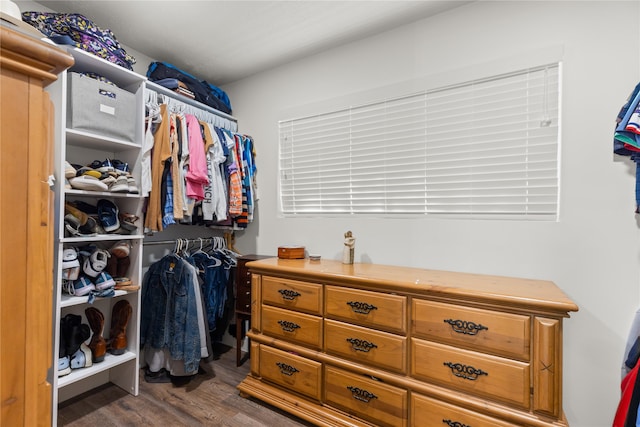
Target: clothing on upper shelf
x: 626, y: 141
x: 211, y: 172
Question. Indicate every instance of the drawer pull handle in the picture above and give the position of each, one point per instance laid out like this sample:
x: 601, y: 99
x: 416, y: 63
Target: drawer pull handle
x: 286, y: 369
x: 464, y: 327
x: 288, y: 326
x: 361, y: 345
x: 361, y: 307
x: 288, y: 294
x: 361, y: 394
x: 455, y: 423
x: 465, y: 371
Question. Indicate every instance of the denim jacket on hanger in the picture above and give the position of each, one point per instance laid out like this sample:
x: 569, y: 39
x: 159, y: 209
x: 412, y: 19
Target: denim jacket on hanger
x: 169, y: 315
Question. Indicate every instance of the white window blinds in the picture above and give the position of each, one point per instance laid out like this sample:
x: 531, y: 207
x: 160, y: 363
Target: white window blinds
x: 486, y: 148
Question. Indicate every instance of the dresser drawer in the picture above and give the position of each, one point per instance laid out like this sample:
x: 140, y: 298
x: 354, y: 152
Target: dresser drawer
x: 430, y: 412
x: 289, y: 325
x: 482, y: 374
x: 367, y: 346
x: 243, y: 297
x: 293, y: 372
x: 366, y: 398
x: 384, y: 311
x: 291, y: 294
x: 484, y: 330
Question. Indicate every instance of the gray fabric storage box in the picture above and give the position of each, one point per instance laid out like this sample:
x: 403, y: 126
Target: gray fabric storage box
x: 100, y: 108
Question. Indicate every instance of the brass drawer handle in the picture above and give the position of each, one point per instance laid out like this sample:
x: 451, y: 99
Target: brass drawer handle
x: 361, y: 345
x: 361, y: 394
x: 288, y: 294
x: 361, y: 307
x: 465, y: 327
x: 465, y: 371
x: 288, y: 326
x: 455, y: 423
x: 286, y: 369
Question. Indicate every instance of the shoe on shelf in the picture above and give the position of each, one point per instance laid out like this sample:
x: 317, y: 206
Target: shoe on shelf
x: 82, y: 358
x: 133, y: 187
x: 125, y: 284
x: 80, y: 287
x: 96, y: 262
x: 97, y: 345
x: 120, y: 249
x: 108, y: 215
x: 75, y: 333
x: 104, y: 281
x: 109, y: 180
x: 86, y: 170
x: 77, y: 350
x: 120, y: 186
x: 69, y: 170
x: 63, y: 357
x: 64, y: 367
x: 73, y: 228
x: 121, y: 168
x: 70, y: 264
x: 72, y: 210
x: 87, y: 182
x: 92, y: 227
x: 120, y: 316
x: 102, y: 166
x: 85, y: 207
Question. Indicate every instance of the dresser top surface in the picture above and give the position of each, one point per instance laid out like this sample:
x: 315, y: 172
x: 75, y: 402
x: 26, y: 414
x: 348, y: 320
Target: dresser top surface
x: 499, y: 290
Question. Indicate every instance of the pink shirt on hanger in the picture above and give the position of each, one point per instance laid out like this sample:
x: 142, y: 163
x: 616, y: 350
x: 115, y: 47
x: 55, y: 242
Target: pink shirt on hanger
x: 197, y: 175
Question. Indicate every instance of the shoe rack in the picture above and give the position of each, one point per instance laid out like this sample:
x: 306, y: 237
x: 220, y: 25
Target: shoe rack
x: 82, y: 147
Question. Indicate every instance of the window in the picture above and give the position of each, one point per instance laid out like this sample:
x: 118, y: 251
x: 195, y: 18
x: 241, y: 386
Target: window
x: 484, y: 148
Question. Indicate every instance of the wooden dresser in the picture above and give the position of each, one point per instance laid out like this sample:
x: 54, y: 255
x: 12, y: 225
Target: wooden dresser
x: 374, y: 345
x: 27, y: 65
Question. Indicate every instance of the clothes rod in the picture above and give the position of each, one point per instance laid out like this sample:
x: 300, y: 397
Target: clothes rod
x: 173, y: 242
x: 168, y: 92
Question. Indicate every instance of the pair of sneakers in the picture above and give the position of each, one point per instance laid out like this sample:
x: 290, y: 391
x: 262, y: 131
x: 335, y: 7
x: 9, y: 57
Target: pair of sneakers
x: 93, y: 281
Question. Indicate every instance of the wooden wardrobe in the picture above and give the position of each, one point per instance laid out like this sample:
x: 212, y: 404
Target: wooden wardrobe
x: 27, y: 66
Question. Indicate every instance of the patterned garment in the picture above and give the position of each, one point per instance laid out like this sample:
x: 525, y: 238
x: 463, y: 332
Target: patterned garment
x: 86, y: 35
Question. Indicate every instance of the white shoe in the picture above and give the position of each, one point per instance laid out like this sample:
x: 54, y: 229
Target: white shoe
x: 87, y: 182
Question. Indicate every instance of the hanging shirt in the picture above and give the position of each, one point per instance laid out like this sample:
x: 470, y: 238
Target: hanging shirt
x: 161, y: 152
x: 197, y: 171
x: 147, y: 145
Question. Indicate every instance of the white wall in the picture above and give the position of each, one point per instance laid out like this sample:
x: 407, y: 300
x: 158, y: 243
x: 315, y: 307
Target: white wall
x: 592, y: 252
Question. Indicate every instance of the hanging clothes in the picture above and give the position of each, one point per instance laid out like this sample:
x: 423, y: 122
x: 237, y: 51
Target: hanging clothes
x: 161, y: 152
x: 169, y: 314
x: 211, y: 172
x: 626, y: 141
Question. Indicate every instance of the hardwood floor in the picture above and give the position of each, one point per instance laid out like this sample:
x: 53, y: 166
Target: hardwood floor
x: 211, y: 399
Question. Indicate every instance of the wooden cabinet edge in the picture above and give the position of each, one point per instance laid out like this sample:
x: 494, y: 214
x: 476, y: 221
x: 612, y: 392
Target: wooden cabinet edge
x: 256, y: 299
x: 547, y: 366
x: 31, y: 56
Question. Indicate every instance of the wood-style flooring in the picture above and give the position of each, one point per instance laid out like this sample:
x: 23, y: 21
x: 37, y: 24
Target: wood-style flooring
x: 211, y: 399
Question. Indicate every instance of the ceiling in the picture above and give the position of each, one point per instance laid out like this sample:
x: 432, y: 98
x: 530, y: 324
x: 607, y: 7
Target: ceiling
x: 224, y: 41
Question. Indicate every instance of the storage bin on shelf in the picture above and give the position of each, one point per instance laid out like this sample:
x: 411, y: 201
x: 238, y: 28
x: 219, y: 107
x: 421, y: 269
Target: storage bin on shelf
x: 99, y: 107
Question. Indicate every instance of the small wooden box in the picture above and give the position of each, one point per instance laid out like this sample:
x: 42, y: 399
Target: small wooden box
x: 291, y: 252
